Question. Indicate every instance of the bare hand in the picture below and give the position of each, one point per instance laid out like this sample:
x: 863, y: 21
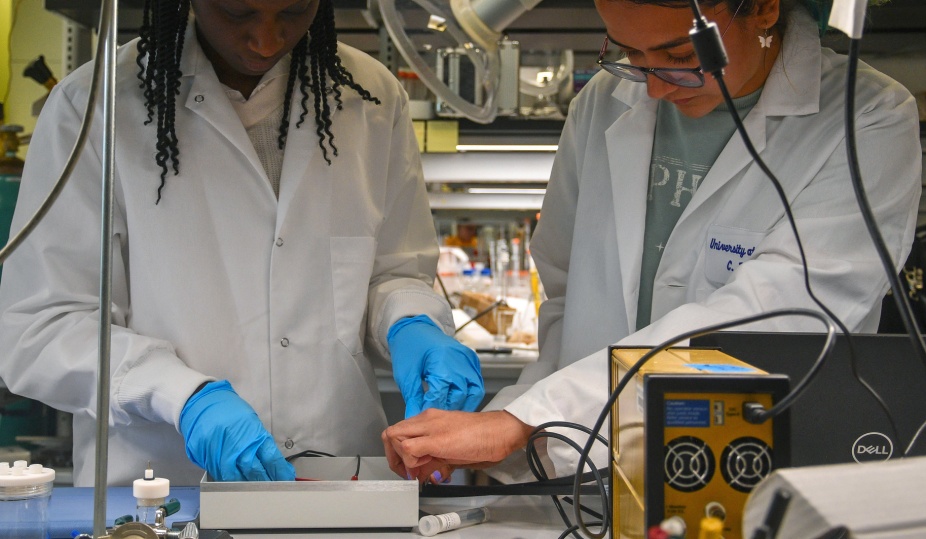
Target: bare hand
x: 437, y: 440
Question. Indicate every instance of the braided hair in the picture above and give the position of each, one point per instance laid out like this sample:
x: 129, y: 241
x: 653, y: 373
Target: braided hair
x: 315, y: 66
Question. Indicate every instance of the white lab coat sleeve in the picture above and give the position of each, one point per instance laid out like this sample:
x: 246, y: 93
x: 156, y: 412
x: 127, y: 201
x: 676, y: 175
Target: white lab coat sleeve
x: 576, y: 393
x: 49, y: 327
x: 406, y: 244
x: 845, y: 272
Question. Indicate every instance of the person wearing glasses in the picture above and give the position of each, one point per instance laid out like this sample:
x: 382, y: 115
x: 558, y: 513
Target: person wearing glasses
x: 271, y: 242
x: 657, y: 221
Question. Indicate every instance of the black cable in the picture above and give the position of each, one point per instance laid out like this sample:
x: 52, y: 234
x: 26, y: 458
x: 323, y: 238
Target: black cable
x: 741, y: 129
x: 79, y: 143
x: 903, y: 306
x: 480, y: 314
x: 595, y: 514
x: 713, y: 58
x: 561, y: 486
x: 538, y: 471
x: 536, y: 467
x: 915, y: 438
x: 631, y: 372
x: 443, y: 288
x: 310, y: 453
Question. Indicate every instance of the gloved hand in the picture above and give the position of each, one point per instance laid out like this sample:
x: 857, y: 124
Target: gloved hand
x: 419, y: 350
x: 225, y: 437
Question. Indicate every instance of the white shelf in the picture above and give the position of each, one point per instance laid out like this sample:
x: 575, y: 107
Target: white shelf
x: 488, y: 167
x: 468, y: 201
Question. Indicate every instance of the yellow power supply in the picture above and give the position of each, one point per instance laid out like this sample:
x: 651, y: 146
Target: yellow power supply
x: 680, y: 446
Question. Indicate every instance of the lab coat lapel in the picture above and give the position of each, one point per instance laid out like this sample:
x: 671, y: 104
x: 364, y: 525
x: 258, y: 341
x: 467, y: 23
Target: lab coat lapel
x: 305, y: 175
x: 303, y: 159
x: 792, y: 89
x: 629, y: 143
x: 731, y: 161
x: 207, y: 100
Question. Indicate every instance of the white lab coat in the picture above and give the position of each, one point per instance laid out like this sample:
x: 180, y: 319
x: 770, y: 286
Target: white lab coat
x: 588, y: 244
x: 289, y: 299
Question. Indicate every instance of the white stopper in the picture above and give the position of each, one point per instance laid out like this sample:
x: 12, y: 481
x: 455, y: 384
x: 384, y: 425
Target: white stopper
x: 150, y: 487
x: 23, y: 475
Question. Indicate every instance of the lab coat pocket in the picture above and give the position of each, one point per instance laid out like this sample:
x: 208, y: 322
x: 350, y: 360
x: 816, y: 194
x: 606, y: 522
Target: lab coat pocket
x: 351, y: 267
x: 726, y: 248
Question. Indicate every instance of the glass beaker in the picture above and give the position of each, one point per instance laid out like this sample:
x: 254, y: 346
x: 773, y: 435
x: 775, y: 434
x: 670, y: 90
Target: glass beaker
x: 24, y: 495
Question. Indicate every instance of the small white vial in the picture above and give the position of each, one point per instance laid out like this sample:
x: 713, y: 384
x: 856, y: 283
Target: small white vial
x: 432, y: 525
x: 150, y: 493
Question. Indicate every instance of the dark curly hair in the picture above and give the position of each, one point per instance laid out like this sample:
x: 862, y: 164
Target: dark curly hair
x: 315, y: 66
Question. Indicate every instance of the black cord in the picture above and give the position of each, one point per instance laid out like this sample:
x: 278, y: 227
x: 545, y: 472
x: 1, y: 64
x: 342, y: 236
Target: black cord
x: 312, y: 453
x: 480, y: 314
x: 903, y: 306
x: 913, y: 440
x: 443, y: 288
x: 853, y: 356
x: 538, y: 471
x: 595, y: 514
x: 632, y: 371
x: 713, y: 58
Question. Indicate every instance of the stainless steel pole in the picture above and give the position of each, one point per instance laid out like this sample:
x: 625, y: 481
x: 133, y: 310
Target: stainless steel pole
x: 108, y: 34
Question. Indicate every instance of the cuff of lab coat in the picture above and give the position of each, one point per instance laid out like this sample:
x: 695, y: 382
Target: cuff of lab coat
x: 156, y: 387
x: 514, y: 468
x: 506, y: 396
x: 575, y: 393
x: 402, y: 304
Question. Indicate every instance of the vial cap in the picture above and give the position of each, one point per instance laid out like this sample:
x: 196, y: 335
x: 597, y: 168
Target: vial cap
x: 158, y: 487
x: 23, y: 475
x: 429, y: 526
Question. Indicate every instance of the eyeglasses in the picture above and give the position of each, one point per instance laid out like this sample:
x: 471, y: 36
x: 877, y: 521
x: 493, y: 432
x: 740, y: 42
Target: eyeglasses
x: 687, y: 78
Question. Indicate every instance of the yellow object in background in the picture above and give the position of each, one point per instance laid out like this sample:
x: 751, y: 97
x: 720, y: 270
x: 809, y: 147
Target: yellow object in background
x: 420, y: 137
x: 442, y: 136
x: 535, y: 288
x: 711, y: 528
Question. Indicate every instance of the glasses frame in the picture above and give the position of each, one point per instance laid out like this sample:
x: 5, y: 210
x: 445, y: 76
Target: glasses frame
x: 638, y: 74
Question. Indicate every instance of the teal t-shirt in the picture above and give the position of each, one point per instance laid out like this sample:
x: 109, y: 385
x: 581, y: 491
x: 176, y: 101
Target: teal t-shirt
x: 684, y: 149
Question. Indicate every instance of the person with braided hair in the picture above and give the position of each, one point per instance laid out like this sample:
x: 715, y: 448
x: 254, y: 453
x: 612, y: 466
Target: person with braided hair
x: 271, y: 234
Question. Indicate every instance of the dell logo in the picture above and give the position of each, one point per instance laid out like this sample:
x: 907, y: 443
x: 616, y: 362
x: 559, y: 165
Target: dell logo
x: 873, y: 446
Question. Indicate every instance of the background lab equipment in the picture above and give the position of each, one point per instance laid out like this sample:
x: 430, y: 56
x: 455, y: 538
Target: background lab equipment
x: 534, y: 518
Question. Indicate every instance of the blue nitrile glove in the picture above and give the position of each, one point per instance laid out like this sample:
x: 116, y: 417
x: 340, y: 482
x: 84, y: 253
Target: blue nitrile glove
x: 419, y: 350
x: 225, y: 437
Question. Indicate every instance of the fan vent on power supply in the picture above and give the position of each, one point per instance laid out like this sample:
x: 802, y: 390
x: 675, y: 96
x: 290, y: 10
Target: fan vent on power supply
x: 745, y: 462
x: 689, y: 464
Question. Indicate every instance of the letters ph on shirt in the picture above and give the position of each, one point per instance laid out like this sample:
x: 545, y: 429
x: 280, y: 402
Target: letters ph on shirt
x: 684, y: 181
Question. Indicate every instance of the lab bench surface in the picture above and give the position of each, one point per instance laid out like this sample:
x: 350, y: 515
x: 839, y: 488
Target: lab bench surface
x: 521, y: 517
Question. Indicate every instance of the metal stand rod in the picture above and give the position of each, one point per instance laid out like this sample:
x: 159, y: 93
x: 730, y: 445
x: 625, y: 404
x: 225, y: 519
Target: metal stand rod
x: 108, y: 34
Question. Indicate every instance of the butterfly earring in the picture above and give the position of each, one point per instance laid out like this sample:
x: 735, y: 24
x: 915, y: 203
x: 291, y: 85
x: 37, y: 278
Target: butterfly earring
x: 766, y: 41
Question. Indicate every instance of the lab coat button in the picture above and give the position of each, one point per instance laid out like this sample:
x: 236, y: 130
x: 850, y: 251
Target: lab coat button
x: 288, y: 444
x: 199, y: 98
x: 284, y: 342
x: 279, y: 242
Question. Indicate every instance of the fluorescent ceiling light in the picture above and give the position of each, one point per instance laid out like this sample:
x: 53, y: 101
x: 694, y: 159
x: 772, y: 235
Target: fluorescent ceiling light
x: 506, y: 147
x: 504, y: 191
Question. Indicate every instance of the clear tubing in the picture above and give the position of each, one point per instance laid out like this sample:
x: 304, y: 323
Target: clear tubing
x: 431, y: 525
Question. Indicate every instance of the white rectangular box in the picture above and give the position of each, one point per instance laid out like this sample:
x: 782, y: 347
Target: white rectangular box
x: 378, y: 499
